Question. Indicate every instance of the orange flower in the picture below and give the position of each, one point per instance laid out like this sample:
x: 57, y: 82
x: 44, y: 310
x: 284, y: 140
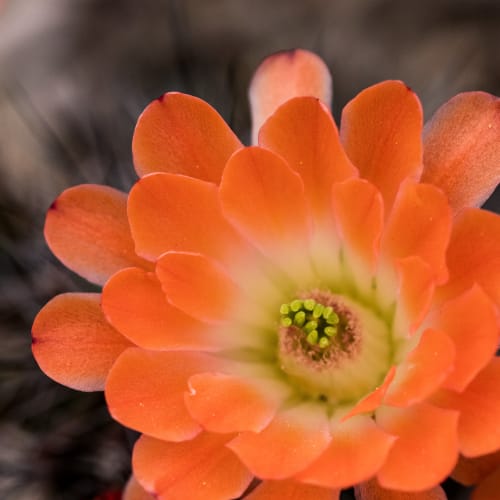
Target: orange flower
x: 318, y: 311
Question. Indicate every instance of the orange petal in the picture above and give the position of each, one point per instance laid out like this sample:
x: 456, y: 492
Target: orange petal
x: 282, y: 76
x: 182, y: 134
x: 145, y: 391
x: 291, y: 442
x: 416, y: 290
x: 173, y: 212
x: 135, y: 305
x: 197, y: 285
x: 381, y: 132
x: 462, y: 148
x: 87, y: 229
x: 474, y: 254
x: 303, y: 132
x: 134, y: 491
x: 479, y: 406
x: 488, y: 488
x: 73, y: 343
x: 223, y: 403
x: 471, y: 322
x: 419, y: 224
x: 426, y: 449
x: 200, y: 468
x: 423, y: 370
x: 374, y: 399
x: 469, y: 471
x: 357, y: 203
x: 371, y: 490
x: 264, y: 199
x: 291, y: 490
x: 356, y: 452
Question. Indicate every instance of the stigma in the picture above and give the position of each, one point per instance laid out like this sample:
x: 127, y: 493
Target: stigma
x: 318, y: 322
x: 328, y: 345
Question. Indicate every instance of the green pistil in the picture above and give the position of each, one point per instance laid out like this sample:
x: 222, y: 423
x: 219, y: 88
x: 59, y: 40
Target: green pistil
x: 299, y: 319
x: 284, y: 309
x: 309, y: 304
x: 330, y: 331
x: 318, y: 322
x: 323, y: 342
x: 310, y: 326
x: 312, y: 337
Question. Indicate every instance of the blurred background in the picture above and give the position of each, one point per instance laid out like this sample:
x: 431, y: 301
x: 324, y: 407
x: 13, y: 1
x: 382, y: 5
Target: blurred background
x: 75, y: 75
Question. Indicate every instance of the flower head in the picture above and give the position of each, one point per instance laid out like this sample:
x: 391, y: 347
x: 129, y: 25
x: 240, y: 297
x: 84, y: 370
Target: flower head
x: 316, y: 311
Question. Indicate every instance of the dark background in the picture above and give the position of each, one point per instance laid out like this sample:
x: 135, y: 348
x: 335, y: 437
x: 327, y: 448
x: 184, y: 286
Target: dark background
x: 74, y: 76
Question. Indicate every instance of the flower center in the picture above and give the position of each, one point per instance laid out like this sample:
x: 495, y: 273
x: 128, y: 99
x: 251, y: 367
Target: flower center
x: 319, y: 330
x: 319, y: 323
x: 327, y: 346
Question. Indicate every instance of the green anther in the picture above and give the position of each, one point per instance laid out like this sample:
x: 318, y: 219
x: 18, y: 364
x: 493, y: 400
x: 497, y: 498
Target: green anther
x: 286, y: 322
x: 327, y: 311
x: 333, y: 319
x: 309, y: 304
x: 330, y: 331
x: 318, y: 311
x: 296, y: 305
x: 310, y: 326
x: 312, y: 337
x: 284, y: 309
x: 323, y: 342
x: 299, y: 318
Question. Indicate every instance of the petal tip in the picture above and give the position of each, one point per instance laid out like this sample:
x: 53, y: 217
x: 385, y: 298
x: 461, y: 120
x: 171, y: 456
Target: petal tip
x: 461, y: 148
x: 283, y: 76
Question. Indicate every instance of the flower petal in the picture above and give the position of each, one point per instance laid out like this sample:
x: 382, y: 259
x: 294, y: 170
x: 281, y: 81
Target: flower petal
x: 462, y: 148
x: 371, y: 490
x: 471, y: 322
x: 145, y: 391
x: 357, y: 203
x: 223, y: 403
x: 174, y: 212
x: 282, y: 76
x: 264, y: 199
x: 426, y: 450
x: 292, y: 441
x: 469, y: 471
x: 474, y: 254
x: 197, y: 285
x: 182, y: 134
x: 303, y: 132
x: 134, y: 491
x: 374, y: 399
x: 356, y: 452
x: 380, y: 130
x: 479, y: 406
x: 419, y: 224
x: 73, y: 343
x: 200, y: 468
x: 135, y: 305
x: 423, y: 370
x: 87, y: 229
x: 290, y: 490
x: 416, y: 290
